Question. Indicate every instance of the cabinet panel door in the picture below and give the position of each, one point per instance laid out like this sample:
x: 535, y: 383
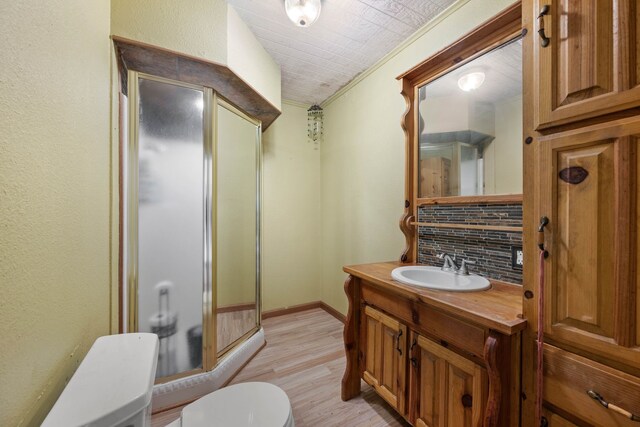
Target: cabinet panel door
x: 555, y: 420
x: 590, y: 66
x: 385, y: 356
x: 588, y: 188
x: 450, y: 390
x: 567, y: 379
x: 371, y: 354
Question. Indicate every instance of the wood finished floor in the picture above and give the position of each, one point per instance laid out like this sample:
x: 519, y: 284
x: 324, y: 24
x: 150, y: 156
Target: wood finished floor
x: 305, y: 357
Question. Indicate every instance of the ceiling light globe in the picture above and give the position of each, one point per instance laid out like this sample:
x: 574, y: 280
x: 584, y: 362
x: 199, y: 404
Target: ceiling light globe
x: 303, y: 13
x: 471, y: 81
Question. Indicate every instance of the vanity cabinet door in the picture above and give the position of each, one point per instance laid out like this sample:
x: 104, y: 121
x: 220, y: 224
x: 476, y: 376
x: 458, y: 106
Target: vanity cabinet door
x: 447, y: 389
x: 591, y: 65
x: 555, y: 420
x: 588, y: 190
x: 385, y: 356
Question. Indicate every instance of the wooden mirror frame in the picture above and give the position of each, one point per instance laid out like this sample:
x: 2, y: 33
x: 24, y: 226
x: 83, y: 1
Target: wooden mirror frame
x: 500, y: 29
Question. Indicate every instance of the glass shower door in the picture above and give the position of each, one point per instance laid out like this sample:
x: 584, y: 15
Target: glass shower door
x: 237, y: 230
x: 192, y: 203
x: 171, y: 233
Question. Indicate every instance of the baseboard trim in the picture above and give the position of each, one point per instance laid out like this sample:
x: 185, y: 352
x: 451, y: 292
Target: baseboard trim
x: 236, y: 307
x: 304, y: 307
x: 332, y: 311
x: 291, y: 309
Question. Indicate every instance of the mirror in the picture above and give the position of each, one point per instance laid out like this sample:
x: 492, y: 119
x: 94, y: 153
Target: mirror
x: 470, y: 127
x: 237, y: 176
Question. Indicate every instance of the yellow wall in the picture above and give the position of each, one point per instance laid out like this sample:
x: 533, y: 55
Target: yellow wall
x: 197, y: 27
x: 235, y: 209
x: 248, y: 59
x: 363, y: 156
x: 508, y: 147
x: 54, y: 208
x: 291, y: 212
x: 208, y: 29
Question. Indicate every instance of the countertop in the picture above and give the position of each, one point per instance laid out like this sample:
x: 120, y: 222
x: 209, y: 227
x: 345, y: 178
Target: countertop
x: 498, y: 308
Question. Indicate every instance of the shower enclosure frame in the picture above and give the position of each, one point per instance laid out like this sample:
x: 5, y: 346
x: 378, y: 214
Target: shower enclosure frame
x: 129, y: 315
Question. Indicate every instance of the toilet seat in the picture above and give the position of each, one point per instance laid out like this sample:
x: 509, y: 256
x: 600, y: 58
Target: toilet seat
x: 241, y: 405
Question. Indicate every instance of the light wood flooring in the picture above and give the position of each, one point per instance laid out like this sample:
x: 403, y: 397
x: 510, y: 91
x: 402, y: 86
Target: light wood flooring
x: 305, y: 357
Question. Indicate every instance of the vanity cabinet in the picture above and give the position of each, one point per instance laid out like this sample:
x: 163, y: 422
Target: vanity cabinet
x: 449, y: 390
x: 555, y: 420
x: 440, y: 359
x: 589, y: 64
x: 384, y: 348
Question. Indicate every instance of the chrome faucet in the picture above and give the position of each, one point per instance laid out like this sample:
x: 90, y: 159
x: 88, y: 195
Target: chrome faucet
x: 464, y: 270
x: 450, y: 264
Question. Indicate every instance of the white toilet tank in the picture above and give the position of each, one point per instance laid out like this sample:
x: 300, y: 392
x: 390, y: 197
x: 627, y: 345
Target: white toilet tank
x: 112, y: 386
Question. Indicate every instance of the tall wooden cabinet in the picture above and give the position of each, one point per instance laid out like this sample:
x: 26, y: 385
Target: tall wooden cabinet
x: 581, y: 133
x: 591, y: 64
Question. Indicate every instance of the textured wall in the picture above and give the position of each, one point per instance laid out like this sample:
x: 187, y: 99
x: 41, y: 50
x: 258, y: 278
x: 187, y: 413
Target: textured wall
x: 291, y: 212
x: 235, y: 209
x: 507, y: 148
x: 199, y: 29
x: 247, y: 58
x: 363, y: 157
x: 490, y: 249
x: 54, y: 197
x: 207, y: 29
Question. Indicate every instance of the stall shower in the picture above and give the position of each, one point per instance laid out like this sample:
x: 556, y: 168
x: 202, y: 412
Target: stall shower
x: 192, y: 222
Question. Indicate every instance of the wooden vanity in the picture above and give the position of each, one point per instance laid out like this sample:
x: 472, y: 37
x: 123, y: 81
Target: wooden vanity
x: 439, y: 358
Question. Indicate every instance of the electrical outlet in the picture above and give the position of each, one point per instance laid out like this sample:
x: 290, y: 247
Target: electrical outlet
x: 517, y: 257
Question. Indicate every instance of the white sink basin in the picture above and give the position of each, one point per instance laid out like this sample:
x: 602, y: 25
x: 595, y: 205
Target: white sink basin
x: 435, y: 278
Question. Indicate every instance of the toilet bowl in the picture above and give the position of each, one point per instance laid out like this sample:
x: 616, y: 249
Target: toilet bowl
x: 113, y: 387
x: 240, y: 405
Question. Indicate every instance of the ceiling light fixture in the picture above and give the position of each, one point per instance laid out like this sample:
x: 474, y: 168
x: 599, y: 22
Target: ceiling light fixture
x: 303, y: 13
x: 471, y: 81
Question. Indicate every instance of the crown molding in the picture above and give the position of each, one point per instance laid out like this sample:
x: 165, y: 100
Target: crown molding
x: 412, y: 38
x: 304, y: 105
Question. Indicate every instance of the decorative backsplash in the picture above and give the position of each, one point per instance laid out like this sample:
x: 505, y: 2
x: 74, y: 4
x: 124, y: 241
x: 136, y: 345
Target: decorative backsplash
x: 490, y: 249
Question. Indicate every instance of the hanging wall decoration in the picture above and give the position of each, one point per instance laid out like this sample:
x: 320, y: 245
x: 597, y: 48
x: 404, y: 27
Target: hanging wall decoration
x: 314, y: 124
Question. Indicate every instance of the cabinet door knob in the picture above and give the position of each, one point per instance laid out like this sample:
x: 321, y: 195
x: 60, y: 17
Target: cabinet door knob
x: 467, y: 400
x: 398, y: 343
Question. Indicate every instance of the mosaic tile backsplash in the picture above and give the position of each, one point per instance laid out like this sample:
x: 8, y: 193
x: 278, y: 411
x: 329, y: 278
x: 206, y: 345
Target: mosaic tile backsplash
x: 491, y: 250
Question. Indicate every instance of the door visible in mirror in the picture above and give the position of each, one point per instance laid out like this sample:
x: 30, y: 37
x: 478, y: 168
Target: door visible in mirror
x: 470, y: 127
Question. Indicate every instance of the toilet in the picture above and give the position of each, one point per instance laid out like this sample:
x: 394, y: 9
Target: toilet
x: 113, y: 387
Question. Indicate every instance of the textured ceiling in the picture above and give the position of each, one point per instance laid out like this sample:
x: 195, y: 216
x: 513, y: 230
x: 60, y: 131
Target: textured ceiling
x: 349, y: 37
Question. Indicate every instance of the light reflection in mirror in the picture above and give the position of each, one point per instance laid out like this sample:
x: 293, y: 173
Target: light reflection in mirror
x: 470, y: 133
